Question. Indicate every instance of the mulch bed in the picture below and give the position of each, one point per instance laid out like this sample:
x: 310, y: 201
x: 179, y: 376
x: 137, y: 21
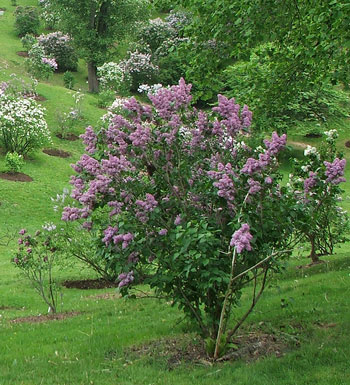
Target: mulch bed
x: 71, y: 137
x: 186, y: 349
x: 313, y: 135
x: 44, y: 317
x: 86, y: 284
x: 16, y: 176
x: 22, y: 53
x: 56, y: 152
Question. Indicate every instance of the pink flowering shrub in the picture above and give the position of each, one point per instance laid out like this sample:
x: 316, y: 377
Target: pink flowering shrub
x: 59, y: 46
x: 177, y: 197
x: 315, y: 184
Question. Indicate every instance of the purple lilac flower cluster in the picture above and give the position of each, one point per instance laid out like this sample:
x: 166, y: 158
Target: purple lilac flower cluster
x: 126, y: 278
x: 145, y: 207
x: 335, y: 171
x: 274, y: 146
x: 241, y: 239
x: 111, y: 235
x: 169, y: 100
x: 310, y: 182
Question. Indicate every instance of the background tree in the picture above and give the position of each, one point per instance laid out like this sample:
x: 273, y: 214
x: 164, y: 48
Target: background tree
x: 96, y: 25
x: 310, y: 40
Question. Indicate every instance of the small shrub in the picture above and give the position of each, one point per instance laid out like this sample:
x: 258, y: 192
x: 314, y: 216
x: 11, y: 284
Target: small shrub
x: 22, y: 125
x: 315, y: 181
x: 68, y: 80
x: 66, y: 121
x: 27, y: 20
x: 17, y: 87
x: 28, y: 41
x: 59, y: 46
x: 36, y: 257
x: 113, y: 77
x: 105, y: 98
x: 14, y: 162
x: 38, y: 65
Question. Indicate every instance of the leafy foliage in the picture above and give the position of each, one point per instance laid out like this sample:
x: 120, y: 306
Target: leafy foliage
x: 14, y: 162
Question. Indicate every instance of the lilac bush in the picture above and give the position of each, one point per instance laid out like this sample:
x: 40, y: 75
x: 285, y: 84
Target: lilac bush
x: 38, y: 65
x: 36, y: 257
x: 315, y: 183
x: 59, y: 46
x: 139, y: 67
x: 181, y: 200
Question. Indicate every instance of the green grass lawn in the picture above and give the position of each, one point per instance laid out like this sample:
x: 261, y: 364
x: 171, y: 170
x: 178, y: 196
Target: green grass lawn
x: 307, y: 310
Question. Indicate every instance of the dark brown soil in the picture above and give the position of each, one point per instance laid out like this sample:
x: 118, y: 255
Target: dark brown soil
x: 22, y: 53
x: 71, y: 137
x: 44, y: 317
x: 86, y: 284
x: 347, y: 144
x: 56, y: 152
x: 313, y: 135
x: 186, y: 349
x: 16, y: 176
x: 39, y: 98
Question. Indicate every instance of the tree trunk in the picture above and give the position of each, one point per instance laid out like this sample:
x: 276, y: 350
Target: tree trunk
x: 92, y: 77
x: 313, y: 255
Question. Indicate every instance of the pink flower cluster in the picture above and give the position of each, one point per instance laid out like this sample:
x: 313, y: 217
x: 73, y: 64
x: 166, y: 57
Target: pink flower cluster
x: 51, y: 62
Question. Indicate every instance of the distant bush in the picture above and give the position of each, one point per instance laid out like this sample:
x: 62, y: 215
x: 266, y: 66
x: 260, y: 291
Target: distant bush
x: 28, y: 41
x: 27, y: 20
x: 14, y: 162
x: 154, y: 32
x: 140, y: 69
x: 22, y: 125
x: 17, y: 87
x: 68, y: 80
x: 38, y: 65
x: 59, y: 46
x: 113, y: 77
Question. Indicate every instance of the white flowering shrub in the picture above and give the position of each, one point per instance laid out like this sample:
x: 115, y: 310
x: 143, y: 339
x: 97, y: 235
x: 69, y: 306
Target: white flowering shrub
x: 140, y: 69
x: 154, y: 32
x: 113, y: 77
x: 48, y: 15
x: 22, y: 125
x: 38, y: 65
